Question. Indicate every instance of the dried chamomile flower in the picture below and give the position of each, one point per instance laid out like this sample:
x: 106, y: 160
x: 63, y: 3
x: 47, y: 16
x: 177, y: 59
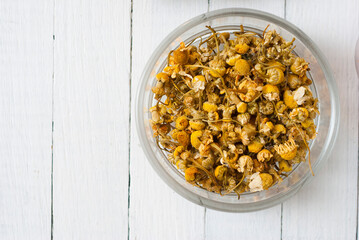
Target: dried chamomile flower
x: 285, y: 166
x: 245, y: 164
x: 190, y: 174
x: 260, y: 181
x: 289, y: 100
x: 299, y: 114
x: 198, y: 83
x: 220, y: 171
x: 209, y: 107
x: 302, y: 95
x: 266, y: 107
x: 181, y: 122
x: 275, y: 76
x: 182, y: 138
x: 197, y: 124
x: 299, y: 66
x: 181, y: 55
x: 271, y: 92
x: 287, y: 150
x: 208, y: 162
x: 218, y: 67
x: 243, y: 118
x: 242, y: 67
x: 280, y: 107
x: 252, y: 108
x: 255, y: 146
x: 280, y: 129
x: 232, y: 60
x: 264, y: 155
x: 249, y: 89
x: 294, y: 81
x: 178, y: 151
x: 195, y: 141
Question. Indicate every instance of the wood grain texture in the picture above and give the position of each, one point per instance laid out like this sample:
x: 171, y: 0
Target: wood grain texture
x: 156, y: 211
x: 25, y: 122
x: 275, y: 7
x: 89, y: 101
x: 327, y: 207
x: 265, y: 224
x: 257, y: 225
x: 91, y: 119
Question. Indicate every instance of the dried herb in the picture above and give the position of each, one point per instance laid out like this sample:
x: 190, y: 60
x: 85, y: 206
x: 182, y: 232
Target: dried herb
x: 235, y: 112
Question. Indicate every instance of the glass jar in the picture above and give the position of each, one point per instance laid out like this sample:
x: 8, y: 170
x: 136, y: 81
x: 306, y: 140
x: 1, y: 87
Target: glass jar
x: 323, y: 88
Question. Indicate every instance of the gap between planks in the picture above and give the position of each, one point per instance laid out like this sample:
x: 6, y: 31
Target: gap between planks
x: 52, y: 119
x: 129, y: 129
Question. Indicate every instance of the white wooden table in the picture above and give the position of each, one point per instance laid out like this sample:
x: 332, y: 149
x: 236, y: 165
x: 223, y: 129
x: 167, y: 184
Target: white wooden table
x: 71, y: 166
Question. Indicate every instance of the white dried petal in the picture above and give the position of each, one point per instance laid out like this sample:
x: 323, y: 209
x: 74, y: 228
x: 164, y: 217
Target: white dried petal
x: 274, y: 96
x: 265, y: 129
x: 232, y: 147
x: 197, y: 155
x: 299, y: 95
x: 198, y: 85
x: 243, y: 118
x: 256, y: 183
x: 245, y: 162
x: 183, y: 73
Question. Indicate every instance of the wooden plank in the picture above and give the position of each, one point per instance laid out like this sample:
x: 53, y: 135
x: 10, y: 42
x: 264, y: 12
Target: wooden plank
x: 92, y: 62
x: 25, y: 123
x: 270, y: 6
x: 327, y: 208
x: 257, y: 225
x: 263, y: 224
x: 156, y: 211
